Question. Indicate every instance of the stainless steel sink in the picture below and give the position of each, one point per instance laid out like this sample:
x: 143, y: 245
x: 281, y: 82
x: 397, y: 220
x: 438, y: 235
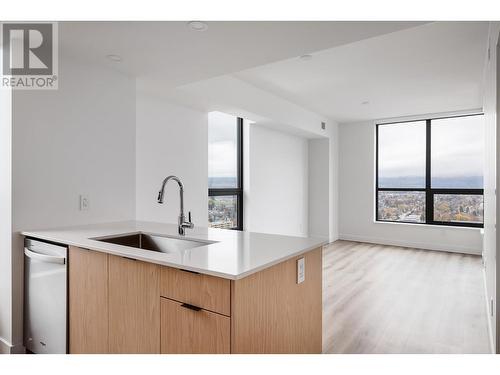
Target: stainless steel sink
x: 153, y: 242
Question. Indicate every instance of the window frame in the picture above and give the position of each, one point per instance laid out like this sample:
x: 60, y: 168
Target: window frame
x: 429, y: 191
x: 237, y: 191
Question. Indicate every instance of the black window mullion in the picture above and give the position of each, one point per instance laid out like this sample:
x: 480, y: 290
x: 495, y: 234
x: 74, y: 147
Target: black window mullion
x: 223, y: 191
x: 239, y: 202
x: 401, y: 189
x: 429, y: 204
x: 458, y: 191
x: 239, y: 151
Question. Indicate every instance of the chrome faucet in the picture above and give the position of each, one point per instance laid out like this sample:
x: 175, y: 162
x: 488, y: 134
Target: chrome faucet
x: 183, y: 224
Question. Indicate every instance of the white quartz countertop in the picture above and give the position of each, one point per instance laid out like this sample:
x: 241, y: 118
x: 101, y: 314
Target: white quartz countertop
x: 234, y: 255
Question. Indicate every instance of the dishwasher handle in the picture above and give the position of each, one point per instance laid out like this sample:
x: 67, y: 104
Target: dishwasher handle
x: 43, y: 257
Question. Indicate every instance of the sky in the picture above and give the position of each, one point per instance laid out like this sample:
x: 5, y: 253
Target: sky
x: 221, y: 145
x: 457, y: 148
x: 402, y: 149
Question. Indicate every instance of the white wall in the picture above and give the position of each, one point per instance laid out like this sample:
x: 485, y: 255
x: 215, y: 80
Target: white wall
x: 277, y: 191
x: 319, y: 187
x: 356, y: 201
x: 334, y: 215
x: 491, y: 176
x: 77, y: 139
x: 5, y: 219
x: 253, y: 103
x: 171, y: 140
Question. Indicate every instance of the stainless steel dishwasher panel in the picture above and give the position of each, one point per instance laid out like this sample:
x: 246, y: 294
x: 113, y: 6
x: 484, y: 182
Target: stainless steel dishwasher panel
x: 45, y: 292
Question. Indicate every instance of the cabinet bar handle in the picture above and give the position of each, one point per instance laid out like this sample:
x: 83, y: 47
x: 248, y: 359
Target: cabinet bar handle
x: 191, y: 307
x: 135, y: 260
x: 193, y: 272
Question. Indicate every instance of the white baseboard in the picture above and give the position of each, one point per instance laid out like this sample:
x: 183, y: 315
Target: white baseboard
x: 417, y: 245
x: 488, y: 314
x: 5, y: 346
x: 8, y: 348
x: 334, y: 237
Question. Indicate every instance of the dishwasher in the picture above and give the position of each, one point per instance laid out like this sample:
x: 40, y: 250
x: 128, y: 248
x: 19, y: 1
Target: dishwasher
x: 45, y: 297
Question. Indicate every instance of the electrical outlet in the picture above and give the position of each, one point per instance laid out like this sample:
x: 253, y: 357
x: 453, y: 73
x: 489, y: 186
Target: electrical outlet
x: 301, y: 270
x: 84, y: 203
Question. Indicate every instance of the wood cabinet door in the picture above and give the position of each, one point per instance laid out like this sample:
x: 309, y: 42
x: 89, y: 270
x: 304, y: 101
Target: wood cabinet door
x: 134, y: 306
x: 272, y: 313
x: 88, y: 301
x: 185, y: 329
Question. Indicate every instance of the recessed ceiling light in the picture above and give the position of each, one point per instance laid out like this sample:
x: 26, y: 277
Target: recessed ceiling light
x: 306, y: 57
x: 197, y: 26
x: 115, y: 58
x: 365, y: 102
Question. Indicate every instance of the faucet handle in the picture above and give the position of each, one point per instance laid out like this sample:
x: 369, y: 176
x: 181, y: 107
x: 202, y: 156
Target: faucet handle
x: 189, y: 224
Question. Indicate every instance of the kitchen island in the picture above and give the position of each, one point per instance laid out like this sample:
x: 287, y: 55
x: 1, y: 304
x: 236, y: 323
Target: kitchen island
x: 214, y: 291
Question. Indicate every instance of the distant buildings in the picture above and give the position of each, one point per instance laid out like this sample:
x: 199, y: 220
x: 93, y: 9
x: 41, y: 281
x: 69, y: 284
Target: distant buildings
x: 410, y: 207
x: 222, y: 212
x: 222, y: 224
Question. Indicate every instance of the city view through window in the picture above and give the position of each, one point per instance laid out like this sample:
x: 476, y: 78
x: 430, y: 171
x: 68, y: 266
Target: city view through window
x: 454, y: 171
x: 224, y: 181
x: 222, y: 212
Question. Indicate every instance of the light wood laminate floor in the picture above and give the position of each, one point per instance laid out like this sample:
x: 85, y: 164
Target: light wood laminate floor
x: 387, y: 299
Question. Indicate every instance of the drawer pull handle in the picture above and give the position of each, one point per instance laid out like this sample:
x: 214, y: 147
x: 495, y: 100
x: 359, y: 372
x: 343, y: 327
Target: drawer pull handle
x: 191, y: 307
x: 193, y: 272
x: 135, y: 260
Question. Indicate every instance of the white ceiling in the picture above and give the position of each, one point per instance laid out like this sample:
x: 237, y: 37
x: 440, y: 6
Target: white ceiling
x: 400, y: 68
x: 435, y: 67
x: 169, y: 54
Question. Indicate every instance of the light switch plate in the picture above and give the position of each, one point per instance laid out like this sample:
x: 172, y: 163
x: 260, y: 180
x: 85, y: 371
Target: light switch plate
x: 301, y: 270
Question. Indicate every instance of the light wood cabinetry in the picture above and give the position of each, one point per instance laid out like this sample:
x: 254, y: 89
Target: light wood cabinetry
x: 185, y: 329
x: 271, y: 313
x: 88, y: 301
x: 208, y: 292
x: 120, y: 305
x: 134, y: 306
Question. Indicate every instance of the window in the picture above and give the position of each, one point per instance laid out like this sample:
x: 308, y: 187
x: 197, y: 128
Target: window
x: 225, y: 171
x: 431, y: 171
